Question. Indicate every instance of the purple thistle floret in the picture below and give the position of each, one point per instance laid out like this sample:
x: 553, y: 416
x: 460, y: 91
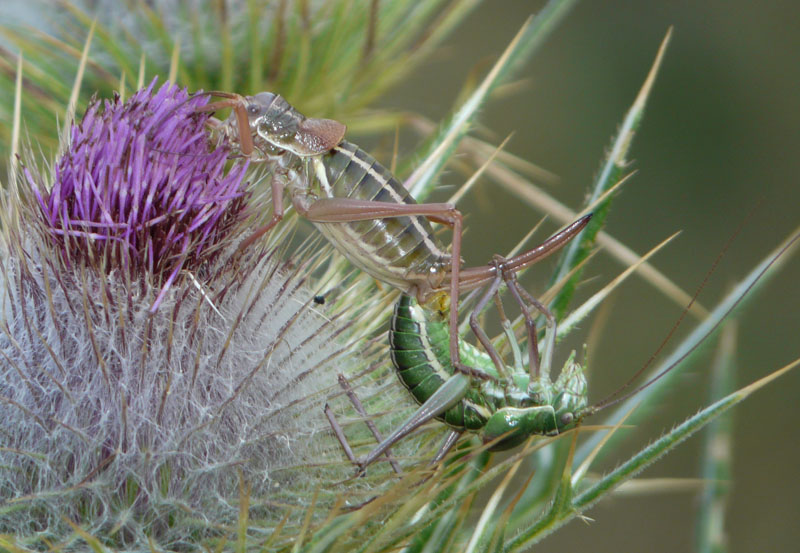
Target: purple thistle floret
x: 140, y: 189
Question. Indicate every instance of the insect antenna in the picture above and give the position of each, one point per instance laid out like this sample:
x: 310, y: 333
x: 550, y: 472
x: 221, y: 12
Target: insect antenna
x: 615, y: 397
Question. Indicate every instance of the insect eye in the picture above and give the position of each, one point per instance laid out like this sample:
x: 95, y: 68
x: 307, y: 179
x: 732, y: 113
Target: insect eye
x: 253, y: 109
x: 566, y: 418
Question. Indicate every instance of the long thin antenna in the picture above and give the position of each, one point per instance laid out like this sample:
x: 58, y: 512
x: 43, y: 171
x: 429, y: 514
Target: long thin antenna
x: 686, y: 309
x: 612, y: 399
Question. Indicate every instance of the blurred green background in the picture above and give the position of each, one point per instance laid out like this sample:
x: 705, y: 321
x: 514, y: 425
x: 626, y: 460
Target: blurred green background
x: 721, y: 135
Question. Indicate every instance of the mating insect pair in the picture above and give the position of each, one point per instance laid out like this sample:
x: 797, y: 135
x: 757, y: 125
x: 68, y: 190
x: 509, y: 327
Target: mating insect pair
x: 370, y: 217
x: 359, y: 206
x: 504, y: 405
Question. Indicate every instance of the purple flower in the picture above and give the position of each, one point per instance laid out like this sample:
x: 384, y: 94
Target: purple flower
x: 139, y: 189
x: 141, y: 426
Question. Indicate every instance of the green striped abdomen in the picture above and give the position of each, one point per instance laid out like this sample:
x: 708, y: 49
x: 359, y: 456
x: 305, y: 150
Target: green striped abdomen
x: 421, y: 355
x: 420, y: 351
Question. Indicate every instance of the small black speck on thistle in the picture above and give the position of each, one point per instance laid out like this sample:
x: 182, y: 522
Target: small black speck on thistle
x: 139, y: 189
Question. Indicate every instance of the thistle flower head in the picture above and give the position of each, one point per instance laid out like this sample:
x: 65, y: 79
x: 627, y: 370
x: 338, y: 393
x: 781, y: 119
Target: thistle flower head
x: 135, y: 401
x: 139, y: 189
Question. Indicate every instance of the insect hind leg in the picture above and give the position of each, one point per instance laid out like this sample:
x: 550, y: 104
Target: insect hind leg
x: 539, y: 363
x: 339, y: 432
x: 491, y: 291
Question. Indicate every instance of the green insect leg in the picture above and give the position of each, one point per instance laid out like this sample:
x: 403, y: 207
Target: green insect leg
x: 515, y: 425
x: 448, y: 394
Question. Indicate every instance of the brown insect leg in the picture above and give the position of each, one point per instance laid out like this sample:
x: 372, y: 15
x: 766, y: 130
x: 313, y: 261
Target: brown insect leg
x: 448, y: 443
x: 277, y: 184
x: 237, y: 104
x: 521, y: 296
x: 343, y: 210
x: 351, y: 395
x: 474, y: 324
x: 339, y: 433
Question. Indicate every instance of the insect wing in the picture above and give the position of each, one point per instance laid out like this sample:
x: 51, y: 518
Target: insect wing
x: 316, y: 136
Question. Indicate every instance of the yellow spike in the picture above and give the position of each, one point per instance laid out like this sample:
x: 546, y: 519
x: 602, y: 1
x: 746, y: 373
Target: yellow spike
x: 140, y: 80
x: 76, y: 89
x: 648, y: 486
x: 122, y: 87
x: 488, y: 81
x: 518, y: 248
x: 454, y: 199
x: 489, y: 509
x: 17, y: 124
x: 600, y: 295
x: 761, y: 382
x: 173, y: 62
